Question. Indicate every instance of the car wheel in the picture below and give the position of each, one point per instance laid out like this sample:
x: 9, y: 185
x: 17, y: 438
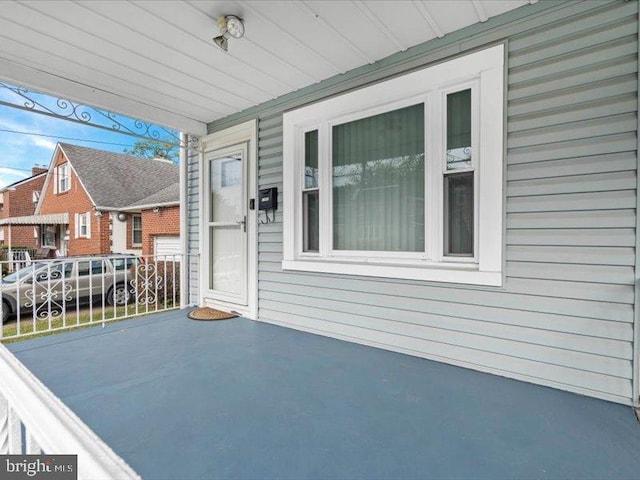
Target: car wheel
x: 118, y: 295
x: 6, y: 311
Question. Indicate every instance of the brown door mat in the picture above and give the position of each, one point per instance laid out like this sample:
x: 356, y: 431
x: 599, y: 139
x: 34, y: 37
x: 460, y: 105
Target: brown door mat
x: 206, y: 313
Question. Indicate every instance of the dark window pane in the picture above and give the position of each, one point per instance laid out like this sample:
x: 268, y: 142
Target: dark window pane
x: 458, y: 194
x: 459, y: 130
x: 311, y: 236
x: 311, y: 159
x: 378, y: 182
x: 137, y: 230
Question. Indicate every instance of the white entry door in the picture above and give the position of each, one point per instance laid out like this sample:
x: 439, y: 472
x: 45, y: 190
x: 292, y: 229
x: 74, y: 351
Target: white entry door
x: 227, y: 224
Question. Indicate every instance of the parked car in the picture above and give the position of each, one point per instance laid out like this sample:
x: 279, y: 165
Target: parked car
x: 44, y: 286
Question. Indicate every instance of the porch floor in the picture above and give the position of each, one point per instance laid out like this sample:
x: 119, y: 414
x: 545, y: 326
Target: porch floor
x: 181, y: 399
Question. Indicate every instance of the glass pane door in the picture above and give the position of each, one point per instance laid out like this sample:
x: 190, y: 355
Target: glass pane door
x: 227, y: 225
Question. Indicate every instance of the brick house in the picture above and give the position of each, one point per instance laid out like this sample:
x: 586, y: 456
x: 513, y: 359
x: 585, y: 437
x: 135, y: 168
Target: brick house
x: 18, y: 200
x: 160, y: 216
x: 89, y: 197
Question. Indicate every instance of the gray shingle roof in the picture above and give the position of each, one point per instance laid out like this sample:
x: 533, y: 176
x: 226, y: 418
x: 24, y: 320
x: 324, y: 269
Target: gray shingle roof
x: 115, y: 180
x: 170, y: 194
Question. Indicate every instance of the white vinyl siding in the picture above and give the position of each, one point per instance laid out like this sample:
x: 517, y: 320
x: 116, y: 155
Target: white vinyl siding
x: 564, y: 316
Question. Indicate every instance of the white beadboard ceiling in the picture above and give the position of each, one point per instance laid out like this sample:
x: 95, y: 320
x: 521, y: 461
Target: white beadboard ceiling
x: 155, y: 60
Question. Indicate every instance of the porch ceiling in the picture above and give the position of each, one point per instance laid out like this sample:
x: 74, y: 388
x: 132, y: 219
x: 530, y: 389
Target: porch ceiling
x: 156, y: 60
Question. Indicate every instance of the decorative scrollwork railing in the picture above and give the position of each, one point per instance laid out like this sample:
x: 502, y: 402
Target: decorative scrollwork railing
x: 147, y: 284
x: 48, y: 294
x: 75, y: 112
x: 64, y: 293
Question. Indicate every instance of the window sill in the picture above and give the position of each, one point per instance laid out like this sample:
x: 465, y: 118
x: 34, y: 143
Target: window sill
x: 446, y: 273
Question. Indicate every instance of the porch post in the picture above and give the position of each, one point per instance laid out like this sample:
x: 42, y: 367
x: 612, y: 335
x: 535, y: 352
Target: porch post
x: 9, y: 250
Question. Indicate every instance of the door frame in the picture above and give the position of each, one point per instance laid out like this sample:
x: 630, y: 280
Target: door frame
x: 243, y: 133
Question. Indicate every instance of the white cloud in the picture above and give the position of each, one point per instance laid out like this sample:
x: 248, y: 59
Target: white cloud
x: 10, y: 175
x: 44, y: 143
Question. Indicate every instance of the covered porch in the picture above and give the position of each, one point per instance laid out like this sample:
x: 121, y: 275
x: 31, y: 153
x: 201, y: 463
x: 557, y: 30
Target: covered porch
x: 177, y: 398
x: 51, y: 230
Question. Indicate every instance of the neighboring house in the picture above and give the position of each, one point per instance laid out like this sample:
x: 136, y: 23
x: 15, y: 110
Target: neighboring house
x: 471, y: 200
x: 91, y: 197
x: 160, y: 217
x: 18, y: 200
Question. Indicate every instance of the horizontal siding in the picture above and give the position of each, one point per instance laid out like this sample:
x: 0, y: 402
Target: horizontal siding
x: 608, y: 387
x: 565, y: 315
x: 193, y: 224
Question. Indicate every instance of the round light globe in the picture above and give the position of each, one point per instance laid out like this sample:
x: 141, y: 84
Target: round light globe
x: 235, y: 27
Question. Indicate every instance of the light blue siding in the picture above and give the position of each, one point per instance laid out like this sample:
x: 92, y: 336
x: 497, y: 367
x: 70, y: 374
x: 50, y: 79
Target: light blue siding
x: 193, y: 210
x: 565, y: 315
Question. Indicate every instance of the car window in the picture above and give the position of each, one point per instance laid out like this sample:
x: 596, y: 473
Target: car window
x: 83, y: 269
x: 96, y: 267
x: 22, y: 273
x: 68, y: 270
x: 119, y: 263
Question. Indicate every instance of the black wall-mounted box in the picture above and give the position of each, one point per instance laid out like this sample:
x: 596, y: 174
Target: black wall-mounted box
x: 268, y: 199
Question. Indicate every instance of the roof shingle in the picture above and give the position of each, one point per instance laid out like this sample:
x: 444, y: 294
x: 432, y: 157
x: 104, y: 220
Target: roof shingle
x: 115, y: 180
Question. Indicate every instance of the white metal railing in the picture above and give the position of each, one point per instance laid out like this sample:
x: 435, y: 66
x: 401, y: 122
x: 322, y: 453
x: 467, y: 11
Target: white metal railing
x: 34, y: 421
x: 63, y: 293
x: 20, y: 259
x: 16, y: 258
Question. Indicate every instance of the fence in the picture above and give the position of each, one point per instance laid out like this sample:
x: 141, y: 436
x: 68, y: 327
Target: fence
x: 48, y: 295
x: 16, y: 258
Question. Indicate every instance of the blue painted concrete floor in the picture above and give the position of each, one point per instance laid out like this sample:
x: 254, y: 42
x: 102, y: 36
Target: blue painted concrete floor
x: 236, y: 399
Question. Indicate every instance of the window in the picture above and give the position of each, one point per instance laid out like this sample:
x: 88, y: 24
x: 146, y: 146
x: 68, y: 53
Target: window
x: 83, y: 225
x: 231, y: 173
x: 398, y: 179
x: 63, y: 178
x: 48, y: 236
x: 136, y: 230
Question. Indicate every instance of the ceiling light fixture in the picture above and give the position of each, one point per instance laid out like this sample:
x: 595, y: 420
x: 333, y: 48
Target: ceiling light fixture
x: 230, y: 26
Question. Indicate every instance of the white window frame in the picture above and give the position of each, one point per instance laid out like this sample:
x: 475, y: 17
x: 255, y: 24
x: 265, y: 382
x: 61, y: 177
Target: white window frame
x: 63, y: 178
x: 133, y: 230
x: 483, y: 72
x: 83, y: 221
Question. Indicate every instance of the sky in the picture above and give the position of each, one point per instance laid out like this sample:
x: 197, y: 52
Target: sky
x: 19, y: 152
